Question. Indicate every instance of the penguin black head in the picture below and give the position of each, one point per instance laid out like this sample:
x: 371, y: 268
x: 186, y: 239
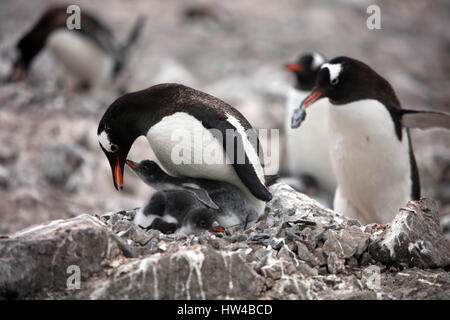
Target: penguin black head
x: 199, y: 220
x: 116, y: 149
x: 343, y: 80
x: 119, y: 127
x: 306, y: 69
x: 149, y: 171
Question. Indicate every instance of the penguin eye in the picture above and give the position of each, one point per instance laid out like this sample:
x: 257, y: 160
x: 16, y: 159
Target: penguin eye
x: 335, y: 81
x: 113, y: 148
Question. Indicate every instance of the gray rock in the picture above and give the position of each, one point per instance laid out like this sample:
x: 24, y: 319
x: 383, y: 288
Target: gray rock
x: 258, y: 237
x: 326, y: 257
x: 60, y: 162
x: 335, y: 263
x: 414, y: 238
x: 38, y: 257
x: 5, y: 179
x: 196, y: 273
x: 353, y: 241
x: 304, y: 254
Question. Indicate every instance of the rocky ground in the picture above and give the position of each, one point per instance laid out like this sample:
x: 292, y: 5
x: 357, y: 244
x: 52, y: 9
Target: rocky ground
x: 298, y: 250
x: 52, y: 168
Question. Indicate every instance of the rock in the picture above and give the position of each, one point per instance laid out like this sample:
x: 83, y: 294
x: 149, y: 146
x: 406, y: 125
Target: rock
x: 60, y: 162
x: 353, y: 241
x: 301, y: 251
x: 258, y: 237
x: 332, y: 244
x: 414, y: 238
x: 5, y: 179
x: 335, y: 263
x: 196, y: 273
x: 304, y: 254
x: 39, y: 257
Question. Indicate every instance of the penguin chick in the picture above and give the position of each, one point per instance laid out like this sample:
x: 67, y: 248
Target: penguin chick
x: 232, y: 205
x: 171, y: 211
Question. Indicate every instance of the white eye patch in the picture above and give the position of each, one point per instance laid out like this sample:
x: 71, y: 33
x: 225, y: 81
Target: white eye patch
x: 318, y: 60
x: 333, y: 69
x: 106, y: 144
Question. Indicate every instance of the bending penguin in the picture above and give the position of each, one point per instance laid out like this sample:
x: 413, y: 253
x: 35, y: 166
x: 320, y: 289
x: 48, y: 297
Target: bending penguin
x: 369, y: 139
x: 307, y: 147
x: 191, y: 133
x: 90, y: 54
x: 226, y: 200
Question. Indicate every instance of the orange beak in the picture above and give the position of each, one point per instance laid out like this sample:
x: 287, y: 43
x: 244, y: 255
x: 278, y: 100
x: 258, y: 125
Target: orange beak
x: 131, y: 164
x: 294, y: 67
x: 118, y: 175
x: 313, y: 97
x: 218, y: 229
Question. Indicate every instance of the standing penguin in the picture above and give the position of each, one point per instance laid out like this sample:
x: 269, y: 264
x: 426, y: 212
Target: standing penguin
x: 192, y: 134
x: 307, y: 147
x: 372, y: 155
x: 90, y: 54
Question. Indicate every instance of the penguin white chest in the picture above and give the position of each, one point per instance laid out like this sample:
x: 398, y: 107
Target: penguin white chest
x: 371, y: 164
x: 186, y: 148
x: 307, y: 146
x: 81, y: 56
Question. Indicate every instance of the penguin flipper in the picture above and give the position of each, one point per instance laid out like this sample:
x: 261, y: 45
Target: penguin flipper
x: 202, y: 196
x: 422, y: 119
x: 241, y: 161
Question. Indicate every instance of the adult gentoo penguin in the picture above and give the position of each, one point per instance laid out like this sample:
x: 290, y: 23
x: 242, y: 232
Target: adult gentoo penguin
x: 212, y: 138
x: 90, y: 54
x: 228, y: 201
x: 369, y: 140
x: 307, y: 147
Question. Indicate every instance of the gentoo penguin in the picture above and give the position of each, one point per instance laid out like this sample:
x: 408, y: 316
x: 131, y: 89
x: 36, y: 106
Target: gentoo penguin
x: 306, y: 148
x: 191, y: 133
x: 90, y: 53
x: 369, y: 140
x: 170, y: 211
x: 228, y: 200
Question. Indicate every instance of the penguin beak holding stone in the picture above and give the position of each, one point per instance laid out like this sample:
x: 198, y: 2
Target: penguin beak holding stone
x: 300, y: 113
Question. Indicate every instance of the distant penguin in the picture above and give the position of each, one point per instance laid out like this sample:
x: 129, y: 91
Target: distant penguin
x: 176, y: 210
x: 307, y: 147
x: 369, y: 140
x: 90, y: 54
x: 191, y: 133
x: 229, y: 203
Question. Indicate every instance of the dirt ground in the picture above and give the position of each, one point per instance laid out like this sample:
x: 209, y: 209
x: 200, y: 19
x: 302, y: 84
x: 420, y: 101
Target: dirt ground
x: 50, y: 164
